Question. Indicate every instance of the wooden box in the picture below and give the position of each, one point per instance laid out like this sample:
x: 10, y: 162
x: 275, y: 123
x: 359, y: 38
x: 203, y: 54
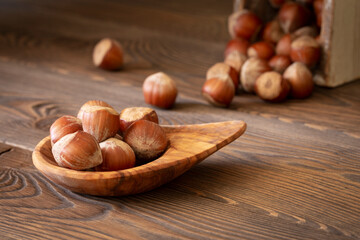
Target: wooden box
x: 339, y: 37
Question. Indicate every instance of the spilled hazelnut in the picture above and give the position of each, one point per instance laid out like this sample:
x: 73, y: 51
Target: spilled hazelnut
x: 300, y: 80
x: 244, y: 24
x: 159, y: 90
x: 305, y: 49
x: 222, y: 70
x: 263, y: 50
x: 219, y: 91
x: 271, y: 86
x: 108, y: 54
x: 251, y: 70
x: 279, y: 63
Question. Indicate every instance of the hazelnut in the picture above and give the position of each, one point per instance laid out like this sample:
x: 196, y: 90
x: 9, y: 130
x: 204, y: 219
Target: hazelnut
x: 159, y: 90
x: 78, y: 151
x: 300, y: 80
x: 222, y: 70
x: 277, y: 3
x: 279, y: 63
x: 108, y: 54
x: 132, y: 114
x: 116, y: 154
x: 270, y: 86
x: 293, y: 16
x: 283, y: 47
x: 63, y: 126
x: 244, y: 24
x: 92, y: 103
x: 305, y: 31
x: 305, y: 49
x: 101, y: 122
x: 251, y: 70
x: 147, y: 139
x: 264, y: 50
x: 219, y: 91
x: 235, y: 59
x: 272, y: 32
x: 237, y: 44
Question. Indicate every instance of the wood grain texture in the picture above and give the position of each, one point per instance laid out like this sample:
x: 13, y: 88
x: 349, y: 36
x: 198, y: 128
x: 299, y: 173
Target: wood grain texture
x: 293, y: 175
x: 188, y: 146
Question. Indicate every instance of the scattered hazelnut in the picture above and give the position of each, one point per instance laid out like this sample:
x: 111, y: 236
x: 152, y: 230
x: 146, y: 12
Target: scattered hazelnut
x: 244, y: 24
x: 277, y: 3
x: 279, y: 63
x: 219, y: 91
x: 270, y: 86
x: 132, y: 114
x: 300, y: 80
x: 222, y: 70
x: 293, y: 16
x: 272, y: 32
x: 251, y: 70
x: 147, y: 139
x: 305, y: 49
x: 235, y: 59
x: 116, y: 154
x: 101, y: 122
x: 63, y: 126
x: 283, y: 46
x: 159, y: 90
x: 305, y: 31
x: 108, y: 54
x: 263, y: 50
x: 78, y: 151
x: 237, y: 44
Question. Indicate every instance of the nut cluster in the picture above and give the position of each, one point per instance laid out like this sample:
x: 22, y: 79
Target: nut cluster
x: 274, y: 59
x: 101, y: 139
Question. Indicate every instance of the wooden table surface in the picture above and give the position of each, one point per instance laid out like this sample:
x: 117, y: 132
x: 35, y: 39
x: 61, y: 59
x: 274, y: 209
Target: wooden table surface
x: 294, y: 174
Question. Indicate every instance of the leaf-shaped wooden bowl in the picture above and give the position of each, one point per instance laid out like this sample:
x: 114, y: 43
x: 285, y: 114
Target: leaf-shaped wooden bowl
x: 189, y: 145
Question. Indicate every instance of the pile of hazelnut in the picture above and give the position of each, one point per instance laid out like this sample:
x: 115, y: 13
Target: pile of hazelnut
x: 159, y: 89
x: 101, y: 139
x: 275, y: 60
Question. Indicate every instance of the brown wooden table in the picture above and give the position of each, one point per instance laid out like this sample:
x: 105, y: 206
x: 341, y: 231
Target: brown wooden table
x: 295, y: 174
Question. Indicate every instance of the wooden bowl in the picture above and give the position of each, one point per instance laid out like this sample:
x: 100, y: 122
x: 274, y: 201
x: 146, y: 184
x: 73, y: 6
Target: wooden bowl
x: 189, y: 145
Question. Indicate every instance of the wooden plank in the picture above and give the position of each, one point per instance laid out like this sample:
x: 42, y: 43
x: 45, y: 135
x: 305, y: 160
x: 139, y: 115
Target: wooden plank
x: 293, y: 175
x: 228, y: 196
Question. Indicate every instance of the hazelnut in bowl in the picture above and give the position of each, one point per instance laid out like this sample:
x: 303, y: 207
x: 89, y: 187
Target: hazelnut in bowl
x: 183, y: 147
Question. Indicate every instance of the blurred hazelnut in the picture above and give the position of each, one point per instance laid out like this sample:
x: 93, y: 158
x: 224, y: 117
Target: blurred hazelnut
x: 222, y: 70
x: 237, y: 44
x: 300, y: 80
x: 270, y: 86
x: 293, y: 16
x: 244, y: 24
x: 305, y: 49
x: 235, y: 59
x: 272, y: 32
x: 263, y: 50
x: 251, y: 70
x: 283, y: 47
x: 279, y: 63
x: 219, y: 91
x: 108, y: 54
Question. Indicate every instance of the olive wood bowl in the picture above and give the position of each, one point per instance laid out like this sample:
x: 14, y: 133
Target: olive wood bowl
x: 189, y: 145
